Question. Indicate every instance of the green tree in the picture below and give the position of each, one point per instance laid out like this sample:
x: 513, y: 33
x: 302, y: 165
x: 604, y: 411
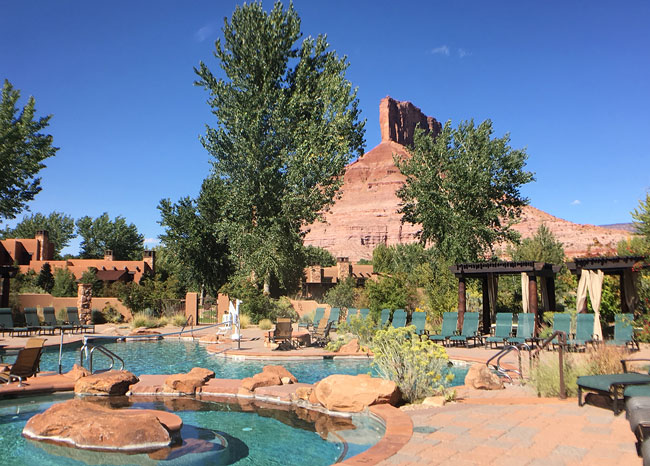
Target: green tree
x: 65, y: 283
x: 287, y: 125
x: 641, y: 216
x: 463, y: 189
x: 542, y: 247
x: 103, y: 234
x: 45, y: 278
x: 343, y: 294
x: 22, y: 150
x: 89, y: 277
x: 391, y: 292
x: 319, y: 256
x: 60, y: 229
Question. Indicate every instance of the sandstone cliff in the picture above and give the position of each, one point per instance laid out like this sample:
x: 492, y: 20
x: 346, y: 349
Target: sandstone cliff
x: 366, y: 213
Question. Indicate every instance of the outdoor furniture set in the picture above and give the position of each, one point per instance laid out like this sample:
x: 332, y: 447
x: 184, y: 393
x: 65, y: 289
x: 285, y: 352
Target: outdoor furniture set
x: 48, y: 326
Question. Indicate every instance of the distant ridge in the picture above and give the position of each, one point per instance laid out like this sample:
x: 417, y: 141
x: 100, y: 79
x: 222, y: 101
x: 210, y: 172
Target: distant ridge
x: 621, y: 226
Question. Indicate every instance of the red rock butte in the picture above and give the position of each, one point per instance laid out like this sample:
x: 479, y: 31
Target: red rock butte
x: 366, y: 214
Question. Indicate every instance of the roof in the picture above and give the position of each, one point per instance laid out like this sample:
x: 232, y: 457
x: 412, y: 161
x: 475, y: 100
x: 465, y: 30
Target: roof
x: 608, y: 264
x: 482, y: 269
x: 111, y: 275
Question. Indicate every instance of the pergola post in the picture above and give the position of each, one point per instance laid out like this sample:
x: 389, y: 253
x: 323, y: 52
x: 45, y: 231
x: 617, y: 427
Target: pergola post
x: 4, y: 299
x: 533, y: 304
x: 462, y: 302
x: 487, y: 319
x: 550, y: 289
x: 624, y: 307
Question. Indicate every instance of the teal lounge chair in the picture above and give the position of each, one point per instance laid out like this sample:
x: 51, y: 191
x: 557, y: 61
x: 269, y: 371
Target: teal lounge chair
x: 584, y: 331
x: 335, y: 312
x: 624, y: 332
x: 612, y: 385
x: 7, y: 323
x: 352, y: 312
x: 561, y: 323
x: 399, y: 318
x: 318, y: 315
x: 419, y: 319
x: 385, y: 315
x: 50, y: 320
x: 525, y: 329
x: 73, y: 319
x: 449, y: 326
x: 502, y: 329
x: 469, y: 331
x: 363, y: 313
x: 34, y: 325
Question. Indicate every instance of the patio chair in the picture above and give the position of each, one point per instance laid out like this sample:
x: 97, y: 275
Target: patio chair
x: 318, y: 315
x: 335, y: 313
x: 7, y: 324
x: 383, y: 319
x: 363, y: 313
x: 449, y: 325
x: 352, y: 312
x: 321, y: 335
x: 399, y: 318
x: 282, y: 334
x: 469, y: 330
x: 26, y: 365
x: 525, y: 329
x: 419, y: 319
x: 637, y: 412
x: 502, y: 329
x: 624, y: 332
x: 584, y: 332
x: 73, y: 319
x: 562, y: 323
x: 50, y: 320
x: 33, y: 324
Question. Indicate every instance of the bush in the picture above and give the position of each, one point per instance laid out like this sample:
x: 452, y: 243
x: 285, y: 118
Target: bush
x: 244, y: 321
x: 335, y: 345
x: 178, y: 320
x: 62, y: 315
x: 141, y: 319
x: 344, y: 294
x: 419, y: 368
x: 362, y: 329
x: 265, y: 324
x: 64, y: 283
x: 282, y: 308
x: 108, y: 314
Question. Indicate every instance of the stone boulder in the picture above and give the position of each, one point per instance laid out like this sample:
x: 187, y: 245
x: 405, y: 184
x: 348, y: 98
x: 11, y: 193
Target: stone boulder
x: 81, y: 424
x: 354, y: 393
x: 186, y: 384
x: 350, y: 347
x: 482, y: 377
x: 77, y: 372
x: 106, y: 383
x: 270, y: 375
x: 144, y: 331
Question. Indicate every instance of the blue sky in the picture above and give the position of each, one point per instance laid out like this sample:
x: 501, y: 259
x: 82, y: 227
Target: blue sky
x: 570, y: 81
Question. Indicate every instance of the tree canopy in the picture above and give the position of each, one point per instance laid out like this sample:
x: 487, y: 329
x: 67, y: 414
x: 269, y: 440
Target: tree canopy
x: 287, y: 125
x: 101, y: 234
x: 541, y: 247
x: 641, y: 216
x: 60, y: 229
x: 22, y: 150
x: 463, y: 189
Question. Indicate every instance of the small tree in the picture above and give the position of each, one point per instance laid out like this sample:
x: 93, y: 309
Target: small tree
x: 641, y: 215
x: 542, y: 247
x: 343, y: 294
x: 319, y: 256
x: 46, y: 278
x: 89, y: 277
x: 65, y: 283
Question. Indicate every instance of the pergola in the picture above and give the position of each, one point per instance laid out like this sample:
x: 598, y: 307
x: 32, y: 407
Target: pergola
x: 489, y: 271
x: 6, y: 272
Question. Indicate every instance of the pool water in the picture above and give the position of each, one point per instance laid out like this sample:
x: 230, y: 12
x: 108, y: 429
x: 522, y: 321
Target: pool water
x: 174, y: 356
x: 213, y: 433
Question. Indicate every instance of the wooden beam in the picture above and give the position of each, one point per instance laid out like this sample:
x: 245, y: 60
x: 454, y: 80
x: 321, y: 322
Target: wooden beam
x: 550, y: 288
x: 621, y: 285
x: 533, y: 304
x: 487, y: 321
x: 462, y: 302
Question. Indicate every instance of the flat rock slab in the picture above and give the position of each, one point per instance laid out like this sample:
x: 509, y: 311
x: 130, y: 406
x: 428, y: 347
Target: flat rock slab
x: 221, y: 387
x: 354, y: 393
x: 107, y: 383
x: 85, y: 425
x: 280, y: 392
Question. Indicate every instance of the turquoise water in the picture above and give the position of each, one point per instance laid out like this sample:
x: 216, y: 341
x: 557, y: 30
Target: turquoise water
x: 213, y: 433
x: 174, y: 356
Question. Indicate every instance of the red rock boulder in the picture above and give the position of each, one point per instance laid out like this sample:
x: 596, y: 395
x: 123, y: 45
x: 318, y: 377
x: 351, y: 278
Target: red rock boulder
x: 77, y: 372
x: 481, y: 377
x: 270, y: 375
x: 186, y: 384
x: 106, y: 383
x: 354, y: 393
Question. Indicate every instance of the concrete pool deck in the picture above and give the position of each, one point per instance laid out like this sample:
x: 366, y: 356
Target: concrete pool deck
x: 511, y: 426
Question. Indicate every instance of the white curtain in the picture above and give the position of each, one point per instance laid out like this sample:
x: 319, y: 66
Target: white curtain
x: 595, y: 287
x: 581, y: 295
x: 493, y: 288
x: 629, y: 285
x: 524, y: 292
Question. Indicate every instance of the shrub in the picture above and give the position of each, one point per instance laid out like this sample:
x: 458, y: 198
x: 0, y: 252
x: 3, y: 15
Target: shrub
x: 62, y: 315
x: 419, y: 368
x: 335, y: 345
x: 363, y: 329
x: 112, y: 315
x: 141, y: 319
x: 64, y: 283
x: 343, y: 294
x: 244, y: 321
x: 178, y: 320
x: 283, y: 308
x: 265, y: 324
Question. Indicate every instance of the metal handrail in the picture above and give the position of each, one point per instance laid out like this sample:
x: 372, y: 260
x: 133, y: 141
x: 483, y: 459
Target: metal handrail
x: 105, y: 351
x: 190, y: 322
x: 561, y: 336
x: 506, y: 350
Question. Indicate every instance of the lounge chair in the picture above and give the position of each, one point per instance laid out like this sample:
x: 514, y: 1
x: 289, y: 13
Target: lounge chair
x: 363, y: 313
x: 26, y: 365
x: 502, y: 329
x: 282, y: 334
x: 335, y: 313
x: 73, y: 319
x: 352, y: 312
x: 419, y: 319
x: 318, y: 315
x: 584, y: 331
x: 50, y: 319
x: 383, y: 320
x: 321, y: 335
x: 525, y: 329
x: 34, y: 325
x: 449, y: 326
x: 469, y: 330
x: 562, y: 323
x: 637, y: 412
x: 399, y: 318
x: 624, y: 332
x: 7, y: 323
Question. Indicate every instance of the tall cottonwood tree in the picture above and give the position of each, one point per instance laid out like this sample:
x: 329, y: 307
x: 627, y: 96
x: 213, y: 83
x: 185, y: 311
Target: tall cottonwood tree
x: 287, y: 125
x: 22, y: 150
x: 59, y: 226
x: 463, y: 189
x: 101, y: 234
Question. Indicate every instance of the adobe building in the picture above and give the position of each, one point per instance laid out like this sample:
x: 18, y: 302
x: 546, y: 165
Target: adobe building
x: 31, y: 254
x: 318, y: 280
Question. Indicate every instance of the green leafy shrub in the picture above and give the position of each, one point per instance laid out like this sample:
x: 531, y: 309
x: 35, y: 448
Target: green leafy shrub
x: 178, y: 320
x: 343, y: 294
x: 282, y: 308
x: 64, y: 283
x: 362, y: 329
x: 112, y: 315
x: 419, y: 368
x: 265, y: 324
x: 335, y: 345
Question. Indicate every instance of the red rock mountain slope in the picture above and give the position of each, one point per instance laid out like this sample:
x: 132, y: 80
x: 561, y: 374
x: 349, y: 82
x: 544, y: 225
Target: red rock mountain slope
x: 366, y: 213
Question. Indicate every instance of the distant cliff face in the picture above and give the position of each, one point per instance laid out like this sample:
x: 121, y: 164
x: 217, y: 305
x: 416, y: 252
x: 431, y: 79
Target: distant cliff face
x: 366, y: 215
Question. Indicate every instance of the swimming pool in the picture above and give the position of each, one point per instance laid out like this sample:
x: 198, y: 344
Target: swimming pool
x: 177, y: 356
x: 213, y: 433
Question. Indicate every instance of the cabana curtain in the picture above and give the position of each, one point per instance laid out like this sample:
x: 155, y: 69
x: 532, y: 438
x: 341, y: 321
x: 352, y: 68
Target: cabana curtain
x: 629, y: 289
x: 591, y: 282
x: 524, y: 292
